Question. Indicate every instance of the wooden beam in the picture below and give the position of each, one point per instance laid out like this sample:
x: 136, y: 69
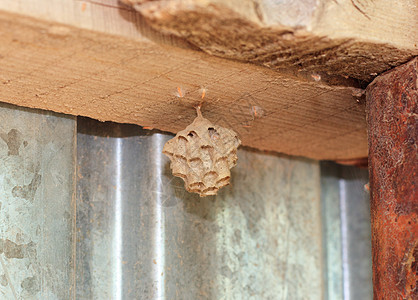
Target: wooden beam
x: 130, y: 79
x: 392, y: 109
x: 349, y: 38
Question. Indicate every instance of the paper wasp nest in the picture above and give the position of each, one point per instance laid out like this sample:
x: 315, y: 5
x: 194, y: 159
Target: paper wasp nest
x: 203, y: 154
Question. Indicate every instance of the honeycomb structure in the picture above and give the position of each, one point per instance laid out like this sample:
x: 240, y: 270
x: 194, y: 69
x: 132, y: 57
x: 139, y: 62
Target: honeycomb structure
x: 203, y: 154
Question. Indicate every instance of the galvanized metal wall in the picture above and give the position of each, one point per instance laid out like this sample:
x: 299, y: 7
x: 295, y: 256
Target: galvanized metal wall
x: 347, y: 232
x: 142, y: 236
x: 37, y: 204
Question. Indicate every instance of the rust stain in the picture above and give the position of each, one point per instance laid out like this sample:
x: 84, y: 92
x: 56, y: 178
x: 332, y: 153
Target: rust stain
x: 3, y: 280
x: 14, y: 250
x: 392, y: 116
x: 30, y: 285
x: 28, y: 191
x: 7, y: 277
x: 11, y: 249
x: 13, y: 139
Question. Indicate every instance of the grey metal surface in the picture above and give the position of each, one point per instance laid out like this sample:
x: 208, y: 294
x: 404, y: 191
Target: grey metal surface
x: 37, y: 166
x: 331, y: 222
x: 347, y: 232
x: 356, y: 234
x: 142, y: 236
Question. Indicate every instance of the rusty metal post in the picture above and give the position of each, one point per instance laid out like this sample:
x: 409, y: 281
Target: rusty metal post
x: 392, y: 129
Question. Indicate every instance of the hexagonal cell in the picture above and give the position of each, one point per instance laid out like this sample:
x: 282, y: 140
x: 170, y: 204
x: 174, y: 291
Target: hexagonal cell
x: 203, y: 154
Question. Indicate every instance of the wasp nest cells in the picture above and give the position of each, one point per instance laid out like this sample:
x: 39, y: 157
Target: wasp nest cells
x: 203, y: 154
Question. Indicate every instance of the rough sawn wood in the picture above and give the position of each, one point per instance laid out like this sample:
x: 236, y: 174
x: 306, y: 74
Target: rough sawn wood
x: 350, y: 38
x: 65, y: 69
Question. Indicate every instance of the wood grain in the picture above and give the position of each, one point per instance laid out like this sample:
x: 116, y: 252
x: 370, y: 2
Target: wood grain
x: 349, y: 38
x: 80, y: 72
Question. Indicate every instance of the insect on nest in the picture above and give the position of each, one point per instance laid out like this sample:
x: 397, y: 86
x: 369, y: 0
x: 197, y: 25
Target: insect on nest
x: 203, y: 154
